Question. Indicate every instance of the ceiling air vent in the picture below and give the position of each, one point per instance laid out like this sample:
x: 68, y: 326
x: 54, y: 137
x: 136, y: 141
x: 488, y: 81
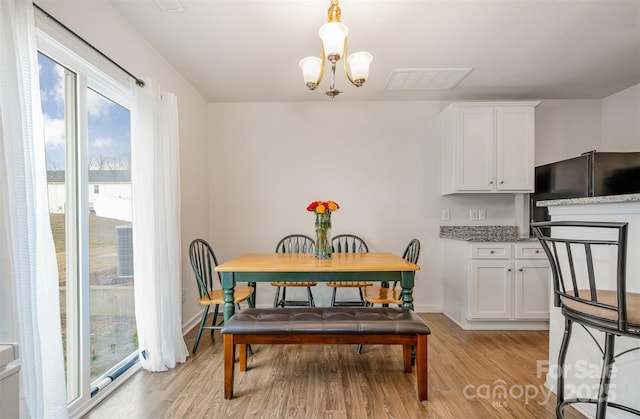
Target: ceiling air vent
x: 169, y: 6
x: 420, y: 79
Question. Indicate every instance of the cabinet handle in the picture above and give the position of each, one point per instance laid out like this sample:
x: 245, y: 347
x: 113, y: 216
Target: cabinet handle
x: 537, y: 251
x: 491, y: 251
x: 501, y: 182
x: 491, y: 182
x: 509, y: 270
x: 521, y: 269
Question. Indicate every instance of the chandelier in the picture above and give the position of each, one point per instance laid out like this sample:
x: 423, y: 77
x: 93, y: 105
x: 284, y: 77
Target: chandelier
x: 334, y: 46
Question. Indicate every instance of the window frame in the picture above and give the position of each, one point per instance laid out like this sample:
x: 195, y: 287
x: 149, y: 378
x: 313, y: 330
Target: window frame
x: 90, y: 71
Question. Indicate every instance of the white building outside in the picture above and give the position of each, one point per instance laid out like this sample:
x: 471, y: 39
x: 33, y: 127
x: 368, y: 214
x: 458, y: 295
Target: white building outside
x: 109, y: 193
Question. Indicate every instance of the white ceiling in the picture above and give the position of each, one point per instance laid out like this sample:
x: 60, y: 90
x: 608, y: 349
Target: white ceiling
x: 240, y: 50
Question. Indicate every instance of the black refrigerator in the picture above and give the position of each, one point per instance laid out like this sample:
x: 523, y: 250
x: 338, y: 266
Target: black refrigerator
x: 590, y: 174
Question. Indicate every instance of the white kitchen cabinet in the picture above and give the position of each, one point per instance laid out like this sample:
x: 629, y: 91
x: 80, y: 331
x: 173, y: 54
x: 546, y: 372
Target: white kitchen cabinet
x: 493, y: 285
x: 532, y: 289
x: 488, y: 147
x: 490, y: 289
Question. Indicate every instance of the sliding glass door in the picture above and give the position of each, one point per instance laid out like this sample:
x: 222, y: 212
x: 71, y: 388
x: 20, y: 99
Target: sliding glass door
x: 88, y: 157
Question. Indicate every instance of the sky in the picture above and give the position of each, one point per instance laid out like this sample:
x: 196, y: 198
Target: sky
x: 109, y: 124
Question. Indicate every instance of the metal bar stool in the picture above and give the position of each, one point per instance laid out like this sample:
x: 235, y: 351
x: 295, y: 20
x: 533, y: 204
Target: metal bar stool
x: 581, y: 255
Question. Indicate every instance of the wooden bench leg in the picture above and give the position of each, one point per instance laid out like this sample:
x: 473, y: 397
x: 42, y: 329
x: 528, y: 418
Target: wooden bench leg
x: 242, y: 348
x: 229, y: 361
x: 421, y: 367
x: 406, y: 354
x: 421, y: 361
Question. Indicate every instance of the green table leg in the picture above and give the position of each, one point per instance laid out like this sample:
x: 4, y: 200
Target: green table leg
x: 228, y: 284
x: 407, y: 289
x: 407, y: 301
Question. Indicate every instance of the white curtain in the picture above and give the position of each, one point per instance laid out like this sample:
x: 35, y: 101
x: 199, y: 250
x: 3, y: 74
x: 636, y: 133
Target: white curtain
x: 29, y: 299
x: 155, y: 157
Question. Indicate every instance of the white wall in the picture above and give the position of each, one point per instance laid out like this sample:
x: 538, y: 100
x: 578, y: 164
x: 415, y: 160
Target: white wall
x: 114, y: 36
x: 621, y: 120
x: 379, y: 161
x: 567, y: 128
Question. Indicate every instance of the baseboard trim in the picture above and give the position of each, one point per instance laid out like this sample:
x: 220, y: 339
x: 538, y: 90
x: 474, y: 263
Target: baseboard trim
x: 500, y: 325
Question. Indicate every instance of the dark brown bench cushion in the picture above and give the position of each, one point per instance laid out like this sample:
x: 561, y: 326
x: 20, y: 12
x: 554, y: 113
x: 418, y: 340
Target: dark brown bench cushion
x: 329, y: 320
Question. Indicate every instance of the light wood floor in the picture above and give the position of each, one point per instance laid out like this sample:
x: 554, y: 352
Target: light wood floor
x: 467, y: 371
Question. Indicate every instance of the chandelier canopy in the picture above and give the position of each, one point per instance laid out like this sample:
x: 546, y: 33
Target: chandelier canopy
x: 334, y: 46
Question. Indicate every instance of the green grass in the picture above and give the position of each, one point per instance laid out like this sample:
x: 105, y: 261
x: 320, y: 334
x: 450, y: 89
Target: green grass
x: 102, y: 231
x: 57, y: 228
x: 102, y: 242
x: 112, y: 337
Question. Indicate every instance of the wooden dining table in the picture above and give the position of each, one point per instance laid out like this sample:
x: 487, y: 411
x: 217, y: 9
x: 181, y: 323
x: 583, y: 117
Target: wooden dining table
x: 295, y: 267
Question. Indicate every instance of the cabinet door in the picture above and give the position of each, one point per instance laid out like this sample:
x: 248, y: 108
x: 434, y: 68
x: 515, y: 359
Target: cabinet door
x: 532, y: 282
x: 475, y: 149
x: 490, y: 289
x: 515, y: 147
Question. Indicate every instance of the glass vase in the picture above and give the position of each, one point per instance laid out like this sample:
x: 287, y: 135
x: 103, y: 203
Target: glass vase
x: 323, y: 235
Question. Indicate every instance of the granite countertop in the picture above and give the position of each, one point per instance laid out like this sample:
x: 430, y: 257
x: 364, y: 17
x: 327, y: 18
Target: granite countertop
x: 482, y: 233
x: 610, y: 199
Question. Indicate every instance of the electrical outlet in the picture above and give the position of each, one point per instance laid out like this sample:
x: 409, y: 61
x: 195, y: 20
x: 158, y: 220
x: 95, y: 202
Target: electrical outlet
x: 482, y: 214
x: 473, y: 214
x: 446, y: 214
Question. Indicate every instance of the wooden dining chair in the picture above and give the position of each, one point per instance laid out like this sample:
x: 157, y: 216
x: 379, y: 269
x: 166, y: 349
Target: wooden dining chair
x: 203, y: 261
x: 294, y: 243
x: 348, y: 243
x: 384, y: 294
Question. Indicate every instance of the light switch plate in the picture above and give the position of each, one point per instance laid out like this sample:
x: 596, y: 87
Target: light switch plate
x: 473, y: 214
x: 482, y: 214
x: 446, y: 214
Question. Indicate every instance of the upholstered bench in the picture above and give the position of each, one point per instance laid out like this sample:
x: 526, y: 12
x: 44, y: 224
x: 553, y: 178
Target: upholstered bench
x: 326, y: 326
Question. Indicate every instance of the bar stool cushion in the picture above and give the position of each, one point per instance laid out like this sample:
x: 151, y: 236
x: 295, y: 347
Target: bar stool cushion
x: 609, y: 298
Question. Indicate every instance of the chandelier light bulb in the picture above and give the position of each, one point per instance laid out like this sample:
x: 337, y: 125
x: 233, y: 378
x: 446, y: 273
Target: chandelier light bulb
x: 311, y: 68
x: 359, y: 66
x: 333, y: 35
